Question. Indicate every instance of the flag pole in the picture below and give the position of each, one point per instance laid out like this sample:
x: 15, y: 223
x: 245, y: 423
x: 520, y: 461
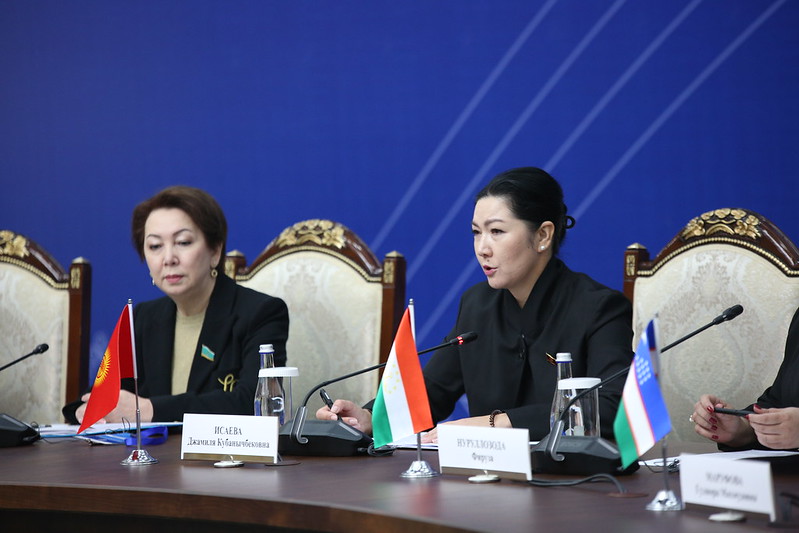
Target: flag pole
x: 419, y: 468
x: 137, y: 457
x: 666, y: 499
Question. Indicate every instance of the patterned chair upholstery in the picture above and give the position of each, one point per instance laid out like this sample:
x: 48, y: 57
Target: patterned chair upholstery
x: 344, y: 305
x: 42, y: 303
x: 721, y: 258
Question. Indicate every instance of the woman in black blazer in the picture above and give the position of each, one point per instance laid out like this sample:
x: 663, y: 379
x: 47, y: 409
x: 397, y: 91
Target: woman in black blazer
x: 197, y: 348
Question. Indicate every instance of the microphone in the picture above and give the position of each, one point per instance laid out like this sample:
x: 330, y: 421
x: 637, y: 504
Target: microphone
x: 729, y: 314
x: 337, y: 438
x: 12, y: 431
x: 726, y: 315
x: 39, y: 349
x: 595, y: 455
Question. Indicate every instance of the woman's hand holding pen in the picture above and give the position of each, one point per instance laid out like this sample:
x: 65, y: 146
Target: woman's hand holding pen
x: 349, y: 413
x: 732, y: 430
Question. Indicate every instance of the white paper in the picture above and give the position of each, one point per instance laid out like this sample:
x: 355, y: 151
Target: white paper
x: 70, y: 430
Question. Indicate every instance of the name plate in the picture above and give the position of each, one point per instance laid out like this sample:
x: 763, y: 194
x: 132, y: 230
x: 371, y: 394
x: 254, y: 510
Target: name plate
x: 737, y: 484
x: 469, y: 450
x: 249, y: 439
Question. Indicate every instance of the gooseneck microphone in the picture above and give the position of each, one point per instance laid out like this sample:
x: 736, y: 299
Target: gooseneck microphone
x: 725, y: 316
x: 12, y: 431
x: 39, y: 349
x: 593, y: 455
x: 338, y: 438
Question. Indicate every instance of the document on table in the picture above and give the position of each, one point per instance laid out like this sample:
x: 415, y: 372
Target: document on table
x: 52, y: 431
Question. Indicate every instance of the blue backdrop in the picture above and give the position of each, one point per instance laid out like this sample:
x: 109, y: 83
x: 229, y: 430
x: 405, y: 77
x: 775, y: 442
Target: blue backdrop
x: 388, y: 117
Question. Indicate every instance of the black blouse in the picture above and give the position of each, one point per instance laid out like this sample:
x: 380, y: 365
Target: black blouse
x: 784, y: 392
x: 508, y: 367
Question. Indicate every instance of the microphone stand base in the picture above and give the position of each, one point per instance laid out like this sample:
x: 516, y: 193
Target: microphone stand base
x: 16, y: 433
x: 326, y: 438
x: 283, y: 462
x: 583, y: 456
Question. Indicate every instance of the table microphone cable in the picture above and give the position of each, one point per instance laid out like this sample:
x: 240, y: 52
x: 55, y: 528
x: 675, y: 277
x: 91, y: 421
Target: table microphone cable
x: 596, y: 478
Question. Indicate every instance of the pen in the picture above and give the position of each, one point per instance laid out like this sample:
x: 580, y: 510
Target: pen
x: 736, y: 412
x: 326, y: 398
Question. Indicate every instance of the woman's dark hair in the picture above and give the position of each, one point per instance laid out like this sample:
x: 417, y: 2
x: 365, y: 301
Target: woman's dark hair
x: 533, y: 196
x: 201, y: 207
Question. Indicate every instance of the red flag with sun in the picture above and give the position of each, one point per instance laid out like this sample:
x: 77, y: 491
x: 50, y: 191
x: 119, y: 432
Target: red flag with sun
x: 118, y: 362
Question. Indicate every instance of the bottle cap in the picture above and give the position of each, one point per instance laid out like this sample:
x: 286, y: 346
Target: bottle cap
x: 577, y: 383
x: 563, y: 357
x: 279, y: 372
x: 266, y: 348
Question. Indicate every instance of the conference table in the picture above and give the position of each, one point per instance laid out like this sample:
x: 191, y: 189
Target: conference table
x: 67, y: 484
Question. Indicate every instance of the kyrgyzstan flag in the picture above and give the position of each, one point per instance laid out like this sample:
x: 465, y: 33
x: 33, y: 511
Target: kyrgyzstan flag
x: 118, y: 362
x: 401, y: 407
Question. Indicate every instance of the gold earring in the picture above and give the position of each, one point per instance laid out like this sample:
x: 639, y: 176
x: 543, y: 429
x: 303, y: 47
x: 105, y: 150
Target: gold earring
x: 214, y: 273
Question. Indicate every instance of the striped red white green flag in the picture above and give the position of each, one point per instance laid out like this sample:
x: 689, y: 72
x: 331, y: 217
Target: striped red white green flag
x: 401, y: 407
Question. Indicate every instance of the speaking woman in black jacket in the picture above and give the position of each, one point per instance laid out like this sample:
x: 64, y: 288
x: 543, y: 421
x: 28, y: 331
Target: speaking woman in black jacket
x: 530, y: 307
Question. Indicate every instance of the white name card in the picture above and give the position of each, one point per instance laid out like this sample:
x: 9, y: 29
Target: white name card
x: 249, y: 439
x: 468, y: 450
x: 737, y: 484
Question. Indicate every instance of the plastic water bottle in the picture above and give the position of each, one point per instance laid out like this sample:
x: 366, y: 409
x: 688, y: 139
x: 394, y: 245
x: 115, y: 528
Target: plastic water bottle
x: 266, y: 352
x: 270, y: 397
x: 560, y: 398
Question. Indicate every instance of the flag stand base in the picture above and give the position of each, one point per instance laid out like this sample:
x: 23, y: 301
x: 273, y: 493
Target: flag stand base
x: 139, y: 457
x: 665, y: 500
x: 420, y: 469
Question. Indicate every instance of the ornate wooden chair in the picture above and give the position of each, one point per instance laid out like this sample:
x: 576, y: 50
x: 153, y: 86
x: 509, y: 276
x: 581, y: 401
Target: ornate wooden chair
x: 42, y: 303
x: 721, y: 258
x: 344, y: 305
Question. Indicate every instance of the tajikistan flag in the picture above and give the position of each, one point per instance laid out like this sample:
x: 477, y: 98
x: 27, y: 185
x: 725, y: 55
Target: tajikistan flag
x: 642, y: 419
x: 401, y: 407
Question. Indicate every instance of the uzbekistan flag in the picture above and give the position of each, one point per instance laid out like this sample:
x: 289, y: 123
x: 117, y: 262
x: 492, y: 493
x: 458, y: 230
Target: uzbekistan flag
x: 642, y: 419
x: 401, y: 407
x: 118, y: 362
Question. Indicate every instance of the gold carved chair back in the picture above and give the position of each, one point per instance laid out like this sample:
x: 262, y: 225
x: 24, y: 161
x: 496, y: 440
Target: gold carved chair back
x: 344, y: 305
x: 40, y: 302
x: 720, y: 258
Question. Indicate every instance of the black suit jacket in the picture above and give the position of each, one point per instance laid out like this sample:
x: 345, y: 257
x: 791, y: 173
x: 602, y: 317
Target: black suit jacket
x: 784, y: 392
x: 507, y: 367
x: 224, y: 372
